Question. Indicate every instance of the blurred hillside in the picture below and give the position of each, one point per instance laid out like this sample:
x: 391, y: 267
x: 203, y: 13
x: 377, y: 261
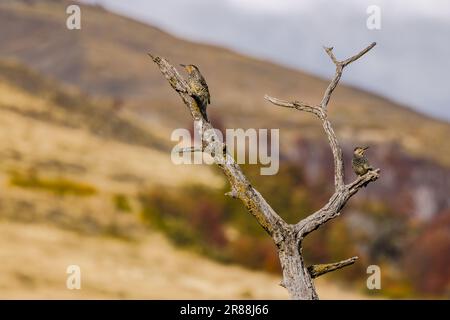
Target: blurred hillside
x: 107, y: 57
x: 58, y: 147
x: 71, y: 171
x: 113, y: 269
x: 85, y: 122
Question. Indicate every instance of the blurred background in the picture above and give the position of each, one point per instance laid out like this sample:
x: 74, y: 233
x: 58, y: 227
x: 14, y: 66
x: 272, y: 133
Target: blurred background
x: 85, y: 169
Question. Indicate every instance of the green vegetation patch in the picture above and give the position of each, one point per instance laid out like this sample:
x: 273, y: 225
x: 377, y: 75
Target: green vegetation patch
x: 59, y: 186
x: 122, y: 203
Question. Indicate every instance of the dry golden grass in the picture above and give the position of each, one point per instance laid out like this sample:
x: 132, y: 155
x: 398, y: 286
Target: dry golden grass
x: 35, y: 141
x: 35, y: 260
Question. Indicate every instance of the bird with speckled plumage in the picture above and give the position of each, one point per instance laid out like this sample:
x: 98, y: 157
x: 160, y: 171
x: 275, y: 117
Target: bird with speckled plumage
x: 198, y: 88
x: 360, y: 164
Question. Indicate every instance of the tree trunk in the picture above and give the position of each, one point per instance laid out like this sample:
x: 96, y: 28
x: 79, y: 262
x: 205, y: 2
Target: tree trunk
x: 296, y: 277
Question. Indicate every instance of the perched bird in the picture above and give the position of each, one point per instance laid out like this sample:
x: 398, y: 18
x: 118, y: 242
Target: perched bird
x: 360, y: 164
x: 198, y: 87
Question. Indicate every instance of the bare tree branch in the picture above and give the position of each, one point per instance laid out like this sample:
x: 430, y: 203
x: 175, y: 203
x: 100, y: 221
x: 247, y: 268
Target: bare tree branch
x: 339, y: 68
x: 320, y: 269
x: 333, y: 84
x: 337, y: 153
x: 233, y: 194
x: 342, y: 192
x: 189, y: 150
x: 358, y: 55
x: 334, y: 206
x: 329, y: 51
x: 362, y: 181
x: 297, y: 278
x: 242, y: 189
x: 302, y: 106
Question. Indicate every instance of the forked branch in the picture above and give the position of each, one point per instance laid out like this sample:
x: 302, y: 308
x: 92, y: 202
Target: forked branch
x: 342, y: 192
x: 297, y: 278
x: 339, y: 68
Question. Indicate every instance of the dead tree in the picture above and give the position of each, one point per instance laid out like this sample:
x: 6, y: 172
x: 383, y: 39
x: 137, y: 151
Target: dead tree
x: 297, y: 277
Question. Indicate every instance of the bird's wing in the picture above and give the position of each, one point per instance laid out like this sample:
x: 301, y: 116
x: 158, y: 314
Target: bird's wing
x: 367, y: 164
x: 205, y: 85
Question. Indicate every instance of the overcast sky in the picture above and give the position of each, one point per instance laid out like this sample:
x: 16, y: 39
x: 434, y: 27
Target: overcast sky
x: 410, y: 64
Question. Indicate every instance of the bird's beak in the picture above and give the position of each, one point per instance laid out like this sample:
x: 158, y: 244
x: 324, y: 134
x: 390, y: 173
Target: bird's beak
x: 183, y: 65
x: 365, y: 148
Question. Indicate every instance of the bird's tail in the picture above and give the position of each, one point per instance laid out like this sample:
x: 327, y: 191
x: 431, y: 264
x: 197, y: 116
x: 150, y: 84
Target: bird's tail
x: 203, y: 111
x: 201, y: 107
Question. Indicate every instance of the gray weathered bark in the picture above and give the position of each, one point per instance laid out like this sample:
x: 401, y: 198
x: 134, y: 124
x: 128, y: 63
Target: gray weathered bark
x: 297, y: 277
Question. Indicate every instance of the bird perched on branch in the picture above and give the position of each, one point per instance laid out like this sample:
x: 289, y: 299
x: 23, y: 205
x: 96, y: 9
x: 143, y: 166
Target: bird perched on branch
x: 198, y: 87
x: 360, y: 164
